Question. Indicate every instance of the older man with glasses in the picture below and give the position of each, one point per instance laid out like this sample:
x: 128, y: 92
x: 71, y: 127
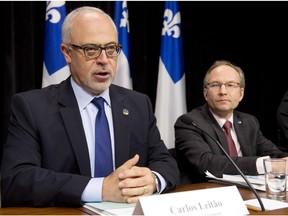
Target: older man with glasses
x: 85, y: 139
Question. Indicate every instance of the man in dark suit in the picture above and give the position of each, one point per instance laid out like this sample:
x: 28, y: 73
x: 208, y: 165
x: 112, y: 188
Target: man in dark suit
x: 49, y: 155
x: 282, y: 123
x: 223, y: 89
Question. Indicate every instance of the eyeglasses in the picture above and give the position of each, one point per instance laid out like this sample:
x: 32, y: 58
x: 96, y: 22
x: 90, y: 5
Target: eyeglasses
x: 94, y: 51
x: 218, y: 85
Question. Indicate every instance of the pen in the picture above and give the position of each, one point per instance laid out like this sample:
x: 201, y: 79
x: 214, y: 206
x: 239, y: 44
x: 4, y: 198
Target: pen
x: 253, y: 208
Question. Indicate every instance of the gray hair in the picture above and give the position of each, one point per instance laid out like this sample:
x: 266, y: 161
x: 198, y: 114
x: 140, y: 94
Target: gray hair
x: 68, y: 22
x: 225, y: 62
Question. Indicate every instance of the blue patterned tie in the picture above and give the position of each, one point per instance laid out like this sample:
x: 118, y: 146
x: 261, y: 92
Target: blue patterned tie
x: 103, y: 151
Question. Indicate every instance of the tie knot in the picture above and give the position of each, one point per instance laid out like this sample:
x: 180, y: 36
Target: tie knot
x: 99, y: 103
x: 227, y: 126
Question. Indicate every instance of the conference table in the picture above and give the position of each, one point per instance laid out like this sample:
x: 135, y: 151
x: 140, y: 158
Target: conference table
x: 245, y: 193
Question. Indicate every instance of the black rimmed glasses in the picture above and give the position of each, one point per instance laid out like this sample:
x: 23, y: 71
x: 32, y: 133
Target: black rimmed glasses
x: 218, y: 85
x: 94, y: 51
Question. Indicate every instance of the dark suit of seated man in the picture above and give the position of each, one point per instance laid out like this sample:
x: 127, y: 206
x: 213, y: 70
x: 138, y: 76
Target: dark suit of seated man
x: 282, y: 123
x: 223, y: 89
x: 48, y: 159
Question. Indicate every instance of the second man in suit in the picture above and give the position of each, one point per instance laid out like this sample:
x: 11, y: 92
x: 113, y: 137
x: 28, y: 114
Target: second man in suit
x: 223, y: 89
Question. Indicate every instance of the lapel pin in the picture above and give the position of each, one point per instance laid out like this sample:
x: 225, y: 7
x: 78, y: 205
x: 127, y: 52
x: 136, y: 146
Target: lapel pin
x: 125, y: 111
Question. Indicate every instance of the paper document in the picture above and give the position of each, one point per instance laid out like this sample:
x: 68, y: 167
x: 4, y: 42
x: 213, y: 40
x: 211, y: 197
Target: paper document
x: 234, y: 179
x: 269, y: 204
x: 257, y: 181
x: 110, y: 208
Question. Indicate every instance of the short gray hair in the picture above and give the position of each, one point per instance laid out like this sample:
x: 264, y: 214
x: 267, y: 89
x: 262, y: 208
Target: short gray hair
x: 68, y: 22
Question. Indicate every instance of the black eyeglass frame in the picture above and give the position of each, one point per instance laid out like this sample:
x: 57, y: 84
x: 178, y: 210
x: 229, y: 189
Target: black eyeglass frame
x: 85, y: 47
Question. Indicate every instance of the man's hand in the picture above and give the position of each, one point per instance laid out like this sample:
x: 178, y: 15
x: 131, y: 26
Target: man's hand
x: 128, y: 183
x: 136, y: 182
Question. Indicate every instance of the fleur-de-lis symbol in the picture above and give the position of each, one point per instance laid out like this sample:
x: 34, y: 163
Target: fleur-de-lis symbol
x: 171, y: 24
x: 124, y: 21
x: 52, y: 14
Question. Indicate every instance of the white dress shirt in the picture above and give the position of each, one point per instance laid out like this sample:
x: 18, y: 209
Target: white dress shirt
x: 88, y: 111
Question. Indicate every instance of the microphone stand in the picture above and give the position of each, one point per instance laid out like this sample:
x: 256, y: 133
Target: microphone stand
x: 230, y: 159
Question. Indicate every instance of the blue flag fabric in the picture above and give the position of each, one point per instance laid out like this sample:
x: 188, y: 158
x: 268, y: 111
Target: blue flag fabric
x: 123, y: 76
x: 171, y: 90
x: 55, y: 68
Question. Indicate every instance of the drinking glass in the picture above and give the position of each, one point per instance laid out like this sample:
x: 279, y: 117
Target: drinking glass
x: 275, y: 178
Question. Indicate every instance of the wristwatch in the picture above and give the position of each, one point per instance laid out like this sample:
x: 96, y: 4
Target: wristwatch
x: 158, y: 184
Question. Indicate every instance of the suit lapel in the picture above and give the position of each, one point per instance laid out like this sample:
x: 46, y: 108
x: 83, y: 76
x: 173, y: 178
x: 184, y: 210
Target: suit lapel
x: 121, y: 120
x: 220, y: 136
x: 216, y: 129
x: 73, y: 124
x: 242, y: 137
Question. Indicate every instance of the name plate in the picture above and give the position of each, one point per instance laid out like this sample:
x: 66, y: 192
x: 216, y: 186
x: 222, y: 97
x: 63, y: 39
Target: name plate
x: 214, y: 201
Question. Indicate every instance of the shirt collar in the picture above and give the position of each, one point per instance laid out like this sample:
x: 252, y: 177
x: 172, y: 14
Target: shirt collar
x: 84, y: 97
x: 221, y: 121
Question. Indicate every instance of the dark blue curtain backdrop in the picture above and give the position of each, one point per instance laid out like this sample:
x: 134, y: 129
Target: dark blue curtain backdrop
x: 251, y: 34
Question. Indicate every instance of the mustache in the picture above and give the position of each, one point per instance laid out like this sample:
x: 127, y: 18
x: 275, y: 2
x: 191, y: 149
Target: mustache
x: 102, y: 69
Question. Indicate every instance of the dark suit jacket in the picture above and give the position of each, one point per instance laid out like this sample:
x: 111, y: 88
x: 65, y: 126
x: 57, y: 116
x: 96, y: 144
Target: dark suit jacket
x: 197, y: 152
x: 282, y: 123
x: 46, y: 160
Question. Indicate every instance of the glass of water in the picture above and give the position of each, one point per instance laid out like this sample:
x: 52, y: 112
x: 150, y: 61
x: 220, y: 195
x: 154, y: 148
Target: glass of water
x: 275, y: 178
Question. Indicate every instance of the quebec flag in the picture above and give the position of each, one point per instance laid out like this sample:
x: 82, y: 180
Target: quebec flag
x: 55, y: 68
x: 123, y: 76
x: 171, y: 93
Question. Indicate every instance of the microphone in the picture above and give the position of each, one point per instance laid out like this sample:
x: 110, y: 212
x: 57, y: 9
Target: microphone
x: 189, y: 121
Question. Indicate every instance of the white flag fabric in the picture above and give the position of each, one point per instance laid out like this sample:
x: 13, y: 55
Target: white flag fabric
x: 171, y: 93
x: 123, y: 76
x: 55, y: 68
